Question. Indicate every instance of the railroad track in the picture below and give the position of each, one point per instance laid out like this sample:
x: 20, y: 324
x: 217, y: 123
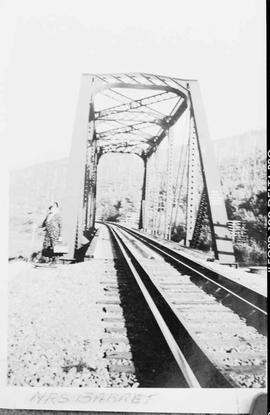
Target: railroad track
x: 246, y: 302
x: 134, y: 350
x: 197, y: 316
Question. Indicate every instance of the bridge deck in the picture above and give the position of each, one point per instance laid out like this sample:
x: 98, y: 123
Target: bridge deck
x: 104, y: 248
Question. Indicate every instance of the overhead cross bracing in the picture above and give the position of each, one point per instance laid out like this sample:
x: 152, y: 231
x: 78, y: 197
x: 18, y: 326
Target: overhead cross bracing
x: 133, y: 111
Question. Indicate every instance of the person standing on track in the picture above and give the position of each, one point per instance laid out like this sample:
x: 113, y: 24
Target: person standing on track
x: 53, y: 230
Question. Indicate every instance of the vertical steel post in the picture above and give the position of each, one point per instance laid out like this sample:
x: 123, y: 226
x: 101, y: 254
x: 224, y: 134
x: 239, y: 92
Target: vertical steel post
x: 169, y: 187
x: 160, y: 197
x: 221, y: 238
x: 191, y: 182
x: 156, y: 193
x: 142, y: 214
x: 87, y: 183
x: 150, y: 193
x: 90, y: 205
x: 74, y: 192
x: 94, y: 204
x: 147, y: 206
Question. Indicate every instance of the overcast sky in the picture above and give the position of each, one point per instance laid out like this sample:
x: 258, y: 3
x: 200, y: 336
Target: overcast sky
x: 47, y: 44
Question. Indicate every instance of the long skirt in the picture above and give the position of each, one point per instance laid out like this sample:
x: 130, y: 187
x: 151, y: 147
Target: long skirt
x: 48, y: 243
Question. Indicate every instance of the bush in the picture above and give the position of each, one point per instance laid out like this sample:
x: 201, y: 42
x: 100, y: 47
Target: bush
x: 252, y: 211
x: 250, y: 255
x: 113, y: 217
x: 178, y: 233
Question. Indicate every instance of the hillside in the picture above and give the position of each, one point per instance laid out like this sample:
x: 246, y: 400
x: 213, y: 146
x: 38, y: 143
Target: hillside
x: 241, y: 162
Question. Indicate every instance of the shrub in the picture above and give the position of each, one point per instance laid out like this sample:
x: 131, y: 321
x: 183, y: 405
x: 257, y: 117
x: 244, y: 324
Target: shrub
x: 250, y: 254
x: 178, y: 233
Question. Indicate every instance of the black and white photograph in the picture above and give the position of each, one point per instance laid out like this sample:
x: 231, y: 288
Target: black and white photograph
x: 134, y: 243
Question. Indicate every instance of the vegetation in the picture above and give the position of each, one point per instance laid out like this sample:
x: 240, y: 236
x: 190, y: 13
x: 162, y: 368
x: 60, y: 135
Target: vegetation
x: 116, y: 211
x: 253, y: 212
x: 243, y: 174
x: 250, y: 243
x: 178, y: 233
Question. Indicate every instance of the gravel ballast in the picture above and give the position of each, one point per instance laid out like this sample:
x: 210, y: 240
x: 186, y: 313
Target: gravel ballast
x: 55, y: 328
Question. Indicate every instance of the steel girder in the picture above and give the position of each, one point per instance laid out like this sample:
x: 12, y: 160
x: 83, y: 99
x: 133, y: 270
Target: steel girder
x: 142, y: 215
x: 218, y: 220
x: 193, y: 173
x: 169, y: 188
x: 136, y: 124
x: 73, y: 203
x: 134, y: 104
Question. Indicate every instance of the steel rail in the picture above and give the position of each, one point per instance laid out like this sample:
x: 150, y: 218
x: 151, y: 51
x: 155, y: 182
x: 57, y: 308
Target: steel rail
x: 195, y: 366
x: 178, y: 355
x: 243, y: 300
x: 254, y: 299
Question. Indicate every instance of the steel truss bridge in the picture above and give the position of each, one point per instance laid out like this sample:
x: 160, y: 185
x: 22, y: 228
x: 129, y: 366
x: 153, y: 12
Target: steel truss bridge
x: 136, y: 113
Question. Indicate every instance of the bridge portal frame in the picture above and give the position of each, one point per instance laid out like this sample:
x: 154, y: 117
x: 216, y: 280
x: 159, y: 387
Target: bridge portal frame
x: 80, y: 197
